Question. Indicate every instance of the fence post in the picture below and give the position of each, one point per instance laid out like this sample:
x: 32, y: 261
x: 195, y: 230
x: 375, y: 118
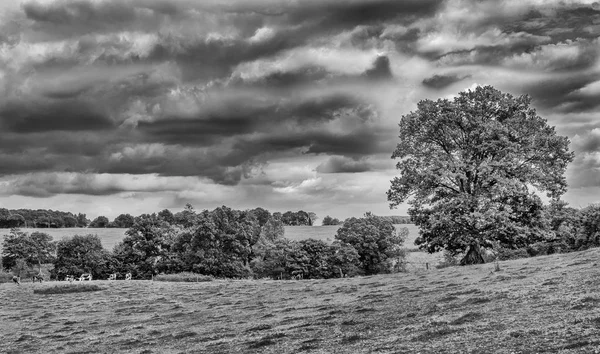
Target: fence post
x: 427, y: 266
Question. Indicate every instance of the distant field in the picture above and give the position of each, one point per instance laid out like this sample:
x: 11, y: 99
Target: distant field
x: 548, y: 304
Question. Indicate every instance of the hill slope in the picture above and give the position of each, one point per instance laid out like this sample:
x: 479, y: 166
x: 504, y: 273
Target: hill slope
x: 544, y: 304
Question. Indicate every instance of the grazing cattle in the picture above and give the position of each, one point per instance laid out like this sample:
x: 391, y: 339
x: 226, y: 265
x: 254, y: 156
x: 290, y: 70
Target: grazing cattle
x: 70, y: 278
x: 17, y: 280
x: 297, y: 275
x: 128, y: 276
x: 37, y: 277
x: 85, y: 276
x: 113, y: 277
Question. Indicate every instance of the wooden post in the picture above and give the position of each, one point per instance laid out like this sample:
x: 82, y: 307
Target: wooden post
x: 427, y: 266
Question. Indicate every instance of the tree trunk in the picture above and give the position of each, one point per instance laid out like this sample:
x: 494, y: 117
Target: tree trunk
x: 473, y: 255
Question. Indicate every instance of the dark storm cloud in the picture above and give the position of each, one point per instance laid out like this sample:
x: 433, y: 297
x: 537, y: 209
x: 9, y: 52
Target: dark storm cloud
x: 380, y: 70
x: 340, y: 164
x: 239, y: 117
x: 71, y: 115
x: 563, y: 93
x: 441, y: 81
x: 217, y: 88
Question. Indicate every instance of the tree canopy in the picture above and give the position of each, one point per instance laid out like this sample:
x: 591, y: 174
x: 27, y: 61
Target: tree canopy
x: 471, y: 170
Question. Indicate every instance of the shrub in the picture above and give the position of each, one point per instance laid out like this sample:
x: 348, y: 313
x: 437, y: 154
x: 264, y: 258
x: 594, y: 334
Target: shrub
x: 66, y: 289
x: 184, y: 277
x: 5, y: 277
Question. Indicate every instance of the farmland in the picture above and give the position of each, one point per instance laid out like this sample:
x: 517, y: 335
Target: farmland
x: 533, y: 305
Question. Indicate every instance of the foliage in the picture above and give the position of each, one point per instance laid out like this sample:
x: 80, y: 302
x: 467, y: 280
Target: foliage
x: 5, y: 277
x: 145, y: 249
x: 588, y: 233
x: 375, y: 240
x: 100, y: 222
x: 40, y: 218
x: 183, y: 277
x: 34, y: 249
x: 470, y: 169
x: 82, y: 254
x: 299, y: 218
x: 122, y: 221
x: 328, y: 220
x: 67, y: 289
x: 219, y: 243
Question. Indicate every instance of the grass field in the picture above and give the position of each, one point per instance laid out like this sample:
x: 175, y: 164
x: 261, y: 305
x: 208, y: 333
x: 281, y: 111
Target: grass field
x: 547, y: 304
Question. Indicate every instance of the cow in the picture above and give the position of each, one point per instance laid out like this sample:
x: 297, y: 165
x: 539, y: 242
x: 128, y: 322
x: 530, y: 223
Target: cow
x: 16, y: 280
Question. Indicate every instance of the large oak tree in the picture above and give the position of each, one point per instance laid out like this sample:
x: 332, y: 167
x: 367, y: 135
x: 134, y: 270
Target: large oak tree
x: 472, y: 169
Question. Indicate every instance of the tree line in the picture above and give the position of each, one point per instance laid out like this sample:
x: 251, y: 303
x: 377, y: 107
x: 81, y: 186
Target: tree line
x: 224, y: 243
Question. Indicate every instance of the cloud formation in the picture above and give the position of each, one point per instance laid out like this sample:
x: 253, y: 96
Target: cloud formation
x: 222, y: 91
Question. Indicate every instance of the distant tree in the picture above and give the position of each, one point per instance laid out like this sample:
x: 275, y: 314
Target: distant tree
x: 344, y: 260
x: 99, y: 222
x: 470, y: 169
x: 300, y: 218
x: 146, y: 244
x: 312, y: 217
x: 319, y: 255
x: 328, y: 220
x: 186, y: 217
x: 81, y: 254
x: 70, y: 221
x: 261, y: 215
x: 35, y: 249
x: 376, y: 241
x: 167, y: 216
x: 123, y: 221
x: 588, y: 231
x: 82, y: 220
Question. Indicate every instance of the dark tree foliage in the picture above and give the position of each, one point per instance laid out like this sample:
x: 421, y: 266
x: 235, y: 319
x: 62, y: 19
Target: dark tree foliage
x: 38, y: 218
x: 319, y: 256
x: 300, y: 218
x: 146, y: 244
x: 261, y: 215
x: 328, y: 220
x: 100, y: 222
x: 470, y: 169
x: 82, y: 254
x: 588, y: 234
x: 122, y: 221
x: 220, y: 243
x: 35, y: 249
x: 376, y: 241
x: 167, y: 216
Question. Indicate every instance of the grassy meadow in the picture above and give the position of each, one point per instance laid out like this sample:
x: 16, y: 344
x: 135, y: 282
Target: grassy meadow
x: 548, y: 304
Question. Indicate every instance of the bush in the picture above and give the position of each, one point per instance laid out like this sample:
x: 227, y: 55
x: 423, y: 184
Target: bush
x: 507, y: 253
x: 66, y: 289
x: 5, y: 277
x: 184, y: 277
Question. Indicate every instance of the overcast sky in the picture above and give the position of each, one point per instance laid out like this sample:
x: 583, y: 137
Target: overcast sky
x: 131, y: 106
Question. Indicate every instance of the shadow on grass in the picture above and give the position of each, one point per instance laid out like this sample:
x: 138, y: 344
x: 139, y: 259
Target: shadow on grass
x: 67, y: 289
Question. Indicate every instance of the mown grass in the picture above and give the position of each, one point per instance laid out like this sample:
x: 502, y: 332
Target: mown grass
x: 67, y: 289
x: 452, y: 310
x: 183, y: 277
